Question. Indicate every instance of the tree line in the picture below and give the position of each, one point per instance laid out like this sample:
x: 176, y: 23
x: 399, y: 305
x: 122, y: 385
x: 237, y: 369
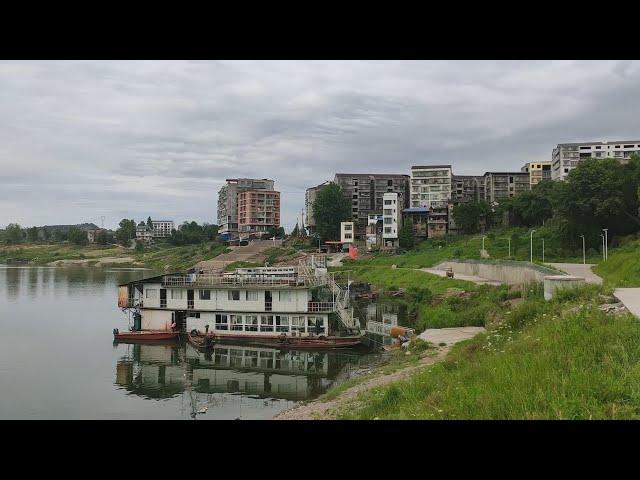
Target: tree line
x: 14, y: 234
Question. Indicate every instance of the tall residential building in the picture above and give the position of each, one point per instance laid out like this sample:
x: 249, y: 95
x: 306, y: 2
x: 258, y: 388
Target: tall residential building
x: 467, y: 188
x: 365, y: 192
x: 566, y: 156
x: 309, y: 199
x: 258, y: 211
x: 162, y: 228
x: 391, y: 218
x: 430, y: 184
x: 502, y: 185
x: 537, y: 171
x: 228, y: 202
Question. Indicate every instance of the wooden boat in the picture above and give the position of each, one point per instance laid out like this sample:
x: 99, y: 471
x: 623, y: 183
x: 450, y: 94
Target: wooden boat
x: 205, y: 342
x: 145, y: 336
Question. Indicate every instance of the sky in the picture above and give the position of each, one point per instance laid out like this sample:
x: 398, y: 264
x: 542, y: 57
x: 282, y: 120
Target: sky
x: 80, y: 140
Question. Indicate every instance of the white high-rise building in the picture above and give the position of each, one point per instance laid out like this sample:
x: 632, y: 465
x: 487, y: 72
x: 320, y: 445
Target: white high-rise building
x: 430, y: 185
x: 391, y: 217
x: 566, y: 156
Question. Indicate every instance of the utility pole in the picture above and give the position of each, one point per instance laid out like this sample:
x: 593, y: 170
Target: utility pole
x: 584, y: 257
x: 531, y: 246
x: 606, y: 243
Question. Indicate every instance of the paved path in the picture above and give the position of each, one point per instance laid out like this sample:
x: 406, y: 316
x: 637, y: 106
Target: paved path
x: 631, y: 299
x: 459, y: 276
x: 449, y: 335
x: 579, y: 270
x: 254, y: 252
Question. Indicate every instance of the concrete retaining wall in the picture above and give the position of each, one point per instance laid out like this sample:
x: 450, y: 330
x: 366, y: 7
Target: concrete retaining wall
x: 509, y: 272
x: 556, y: 282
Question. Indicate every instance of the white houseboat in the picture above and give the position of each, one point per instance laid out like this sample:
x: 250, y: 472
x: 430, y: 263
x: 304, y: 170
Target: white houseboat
x: 297, y: 307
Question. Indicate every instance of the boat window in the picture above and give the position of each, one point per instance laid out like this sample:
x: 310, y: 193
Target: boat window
x: 311, y: 325
x: 152, y: 293
x: 222, y: 322
x: 205, y: 294
x: 252, y: 295
x: 251, y: 323
x: 297, y: 324
x: 266, y: 323
x: 284, y: 296
x: 236, y: 322
x: 282, y: 323
x: 176, y: 294
x: 234, y: 294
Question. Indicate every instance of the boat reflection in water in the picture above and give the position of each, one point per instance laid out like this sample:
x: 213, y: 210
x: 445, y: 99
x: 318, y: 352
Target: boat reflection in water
x: 378, y: 318
x: 232, y: 374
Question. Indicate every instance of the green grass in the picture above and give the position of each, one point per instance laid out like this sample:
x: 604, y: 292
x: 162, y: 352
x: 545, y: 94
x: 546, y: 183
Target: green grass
x: 542, y: 362
x: 622, y: 268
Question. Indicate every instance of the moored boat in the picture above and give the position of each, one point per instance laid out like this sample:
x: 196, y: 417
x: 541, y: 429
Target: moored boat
x: 145, y: 336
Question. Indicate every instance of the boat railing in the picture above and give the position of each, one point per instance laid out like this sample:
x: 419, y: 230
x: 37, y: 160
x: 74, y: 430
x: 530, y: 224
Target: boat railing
x: 134, y: 302
x: 321, y: 306
x: 208, y: 280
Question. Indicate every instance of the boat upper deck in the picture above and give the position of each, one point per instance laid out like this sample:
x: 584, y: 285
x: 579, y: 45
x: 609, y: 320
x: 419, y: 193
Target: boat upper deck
x: 194, y: 280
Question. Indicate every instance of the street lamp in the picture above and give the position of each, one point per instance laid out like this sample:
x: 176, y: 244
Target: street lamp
x: 531, y: 246
x: 543, y: 250
x: 584, y: 258
x: 483, y: 252
x: 606, y: 243
x: 509, y: 238
x: 601, y: 235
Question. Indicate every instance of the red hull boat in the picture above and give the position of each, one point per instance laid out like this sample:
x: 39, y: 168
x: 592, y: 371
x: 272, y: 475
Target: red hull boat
x: 145, y: 336
x: 203, y: 342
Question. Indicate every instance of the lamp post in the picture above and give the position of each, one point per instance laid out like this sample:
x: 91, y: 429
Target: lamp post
x: 483, y: 246
x: 606, y: 243
x: 543, y: 250
x: 584, y: 257
x: 531, y: 246
x: 602, y: 236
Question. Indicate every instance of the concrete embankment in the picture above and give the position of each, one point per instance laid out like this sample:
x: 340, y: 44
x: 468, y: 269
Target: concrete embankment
x: 509, y: 272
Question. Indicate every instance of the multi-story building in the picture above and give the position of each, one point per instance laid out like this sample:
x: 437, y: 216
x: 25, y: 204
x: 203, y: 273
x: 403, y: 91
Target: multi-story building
x: 566, y: 156
x: 162, y: 228
x: 374, y: 231
x: 365, y: 192
x: 346, y: 232
x: 537, y: 171
x: 467, y: 188
x: 228, y: 202
x: 438, y: 219
x: 391, y: 218
x: 502, y: 185
x: 309, y: 199
x: 258, y: 211
x: 430, y: 184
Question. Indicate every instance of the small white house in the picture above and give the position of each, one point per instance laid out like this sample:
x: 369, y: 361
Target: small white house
x: 346, y: 232
x: 391, y: 218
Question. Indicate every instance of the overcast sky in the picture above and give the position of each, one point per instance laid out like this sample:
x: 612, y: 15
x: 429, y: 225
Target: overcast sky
x: 79, y: 140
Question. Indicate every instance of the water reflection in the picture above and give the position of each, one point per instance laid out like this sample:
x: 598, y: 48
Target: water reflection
x: 377, y: 319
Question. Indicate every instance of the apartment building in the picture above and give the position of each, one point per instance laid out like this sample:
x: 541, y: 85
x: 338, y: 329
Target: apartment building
x: 467, y: 188
x: 366, y: 191
x: 309, y: 199
x: 391, y: 218
x: 258, y: 212
x: 503, y: 185
x: 374, y: 231
x: 228, y: 202
x: 346, y: 232
x: 430, y: 185
x: 566, y: 156
x: 537, y: 171
x: 162, y: 228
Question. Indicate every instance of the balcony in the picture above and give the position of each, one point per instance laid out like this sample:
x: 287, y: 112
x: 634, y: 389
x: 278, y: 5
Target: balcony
x: 321, y: 307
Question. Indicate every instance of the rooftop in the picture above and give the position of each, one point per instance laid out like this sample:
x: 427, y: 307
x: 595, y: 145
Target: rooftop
x: 429, y: 166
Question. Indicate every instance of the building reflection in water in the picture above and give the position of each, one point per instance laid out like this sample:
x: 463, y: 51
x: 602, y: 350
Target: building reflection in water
x: 380, y: 318
x: 164, y: 371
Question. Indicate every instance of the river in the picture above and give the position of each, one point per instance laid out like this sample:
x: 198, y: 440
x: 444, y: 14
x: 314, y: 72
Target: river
x: 58, y: 359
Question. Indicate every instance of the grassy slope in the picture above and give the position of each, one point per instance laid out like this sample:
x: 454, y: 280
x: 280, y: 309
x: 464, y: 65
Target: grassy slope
x: 622, y: 268
x: 541, y: 363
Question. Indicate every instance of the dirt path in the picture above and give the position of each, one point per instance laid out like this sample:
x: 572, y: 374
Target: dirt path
x: 319, y: 410
x: 254, y: 252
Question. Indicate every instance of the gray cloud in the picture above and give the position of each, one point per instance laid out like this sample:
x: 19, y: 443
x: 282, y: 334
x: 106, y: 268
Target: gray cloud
x: 137, y: 138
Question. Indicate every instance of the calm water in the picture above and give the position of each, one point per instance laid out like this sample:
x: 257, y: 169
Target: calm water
x: 58, y: 360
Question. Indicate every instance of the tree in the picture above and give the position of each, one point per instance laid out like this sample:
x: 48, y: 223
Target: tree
x: 77, y: 236
x: 46, y: 234
x: 296, y: 231
x: 329, y: 209
x: 276, y: 232
x: 103, y: 237
x: 406, y: 238
x: 149, y: 223
x: 32, y: 234
x: 126, y: 232
x: 467, y: 216
x: 13, y: 234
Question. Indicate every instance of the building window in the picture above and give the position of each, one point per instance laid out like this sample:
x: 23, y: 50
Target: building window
x: 347, y: 235
x: 388, y: 202
x: 233, y: 294
x: 205, y: 294
x: 266, y: 323
x: 252, y: 295
x: 387, y: 229
x: 311, y: 325
x: 282, y: 323
x: 297, y: 324
x: 236, y: 322
x: 251, y: 323
x: 222, y: 322
x: 152, y: 293
x: 176, y: 294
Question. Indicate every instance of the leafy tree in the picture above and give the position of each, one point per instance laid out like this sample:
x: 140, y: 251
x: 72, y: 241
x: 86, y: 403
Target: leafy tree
x: 60, y: 236
x: 46, y: 234
x: 296, y: 231
x: 103, y: 237
x: 210, y: 231
x: 13, y: 234
x: 126, y: 232
x: 191, y: 233
x: 32, y: 234
x: 276, y: 232
x: 406, y: 237
x: 329, y: 209
x: 77, y: 236
x: 149, y: 223
x: 468, y: 215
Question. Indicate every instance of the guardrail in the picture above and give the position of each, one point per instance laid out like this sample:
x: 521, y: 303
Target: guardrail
x: 321, y: 306
x: 205, y: 280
